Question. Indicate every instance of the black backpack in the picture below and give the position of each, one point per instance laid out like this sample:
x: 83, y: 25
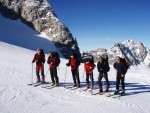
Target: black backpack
x: 56, y: 55
x: 42, y: 52
x: 105, y: 60
x: 88, y: 58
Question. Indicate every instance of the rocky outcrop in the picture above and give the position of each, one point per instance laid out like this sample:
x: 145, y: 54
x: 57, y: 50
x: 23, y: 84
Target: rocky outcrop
x: 135, y: 52
x: 39, y: 15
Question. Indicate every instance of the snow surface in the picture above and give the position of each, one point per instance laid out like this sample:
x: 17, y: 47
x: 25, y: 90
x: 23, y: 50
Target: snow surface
x: 16, y: 72
x: 17, y: 97
x: 17, y: 33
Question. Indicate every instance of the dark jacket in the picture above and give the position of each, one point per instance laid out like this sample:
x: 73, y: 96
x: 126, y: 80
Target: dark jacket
x: 120, y: 68
x: 103, y: 67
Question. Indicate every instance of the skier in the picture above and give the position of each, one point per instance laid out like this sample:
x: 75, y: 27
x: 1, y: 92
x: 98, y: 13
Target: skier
x: 121, y: 70
x: 39, y: 58
x: 53, y: 61
x: 74, y: 63
x: 103, y: 68
x: 125, y: 63
x: 89, y: 66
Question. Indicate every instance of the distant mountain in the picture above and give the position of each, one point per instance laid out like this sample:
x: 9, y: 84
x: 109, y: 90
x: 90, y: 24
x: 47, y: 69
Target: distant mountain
x: 135, y: 52
x: 39, y: 15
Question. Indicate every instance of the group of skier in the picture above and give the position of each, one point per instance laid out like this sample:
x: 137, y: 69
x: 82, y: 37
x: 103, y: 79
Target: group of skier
x: 103, y: 68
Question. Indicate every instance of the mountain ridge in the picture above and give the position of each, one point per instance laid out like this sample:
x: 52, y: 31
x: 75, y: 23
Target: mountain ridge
x: 134, y: 51
x: 39, y: 15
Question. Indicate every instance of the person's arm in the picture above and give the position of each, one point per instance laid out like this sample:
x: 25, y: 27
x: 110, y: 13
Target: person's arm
x: 98, y: 67
x: 68, y: 64
x: 43, y: 59
x: 34, y: 58
x: 48, y: 60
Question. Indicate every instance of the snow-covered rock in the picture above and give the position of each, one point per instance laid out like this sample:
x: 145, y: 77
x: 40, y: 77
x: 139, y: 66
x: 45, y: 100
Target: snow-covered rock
x: 134, y: 51
x: 39, y: 15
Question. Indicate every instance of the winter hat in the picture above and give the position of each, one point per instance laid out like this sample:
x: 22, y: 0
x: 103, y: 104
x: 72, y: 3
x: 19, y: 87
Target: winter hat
x: 38, y: 49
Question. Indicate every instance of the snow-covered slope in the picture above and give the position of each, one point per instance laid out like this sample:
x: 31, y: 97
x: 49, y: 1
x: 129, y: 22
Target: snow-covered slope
x: 17, y: 33
x: 17, y: 97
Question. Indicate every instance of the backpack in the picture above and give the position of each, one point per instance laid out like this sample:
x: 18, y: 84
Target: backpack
x: 105, y: 60
x: 88, y: 58
x: 56, y: 55
x: 126, y: 64
x: 42, y: 52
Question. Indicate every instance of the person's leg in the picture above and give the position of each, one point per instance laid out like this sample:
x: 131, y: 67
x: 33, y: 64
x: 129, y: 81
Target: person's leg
x: 74, y: 77
x: 107, y: 81
x: 123, y: 84
x: 42, y: 73
x: 117, y: 82
x: 37, y: 74
x: 52, y: 76
x: 92, y: 79
x: 99, y: 82
x: 56, y: 76
x: 87, y: 79
x: 78, y: 78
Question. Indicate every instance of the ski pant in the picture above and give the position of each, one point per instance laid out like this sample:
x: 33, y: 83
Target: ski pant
x: 118, y: 79
x: 75, y: 75
x: 91, y: 78
x: 101, y: 75
x: 54, y: 77
x: 38, y: 70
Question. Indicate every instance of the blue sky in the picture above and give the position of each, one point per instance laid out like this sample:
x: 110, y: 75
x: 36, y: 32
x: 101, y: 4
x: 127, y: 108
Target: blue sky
x: 101, y: 23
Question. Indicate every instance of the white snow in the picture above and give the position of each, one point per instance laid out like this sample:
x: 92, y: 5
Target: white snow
x: 15, y: 73
x: 17, y: 97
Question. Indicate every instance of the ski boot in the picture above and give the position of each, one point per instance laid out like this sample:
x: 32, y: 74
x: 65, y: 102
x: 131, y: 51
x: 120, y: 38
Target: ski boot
x: 123, y: 92
x: 52, y: 84
x: 116, y: 92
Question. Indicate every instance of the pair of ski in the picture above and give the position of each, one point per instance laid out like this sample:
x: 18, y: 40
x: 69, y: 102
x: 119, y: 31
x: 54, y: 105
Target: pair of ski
x: 35, y: 84
x: 49, y: 86
x: 88, y: 89
x: 115, y: 95
x: 99, y: 93
x: 38, y: 84
x: 72, y: 88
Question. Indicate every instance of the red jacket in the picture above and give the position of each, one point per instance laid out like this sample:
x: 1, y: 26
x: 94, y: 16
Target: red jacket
x: 40, y: 59
x: 53, y: 62
x: 89, y: 68
x: 74, y: 63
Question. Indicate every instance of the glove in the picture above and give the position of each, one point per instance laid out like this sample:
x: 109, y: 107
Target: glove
x: 67, y: 64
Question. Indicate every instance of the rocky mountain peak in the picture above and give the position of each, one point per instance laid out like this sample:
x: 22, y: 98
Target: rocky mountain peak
x: 39, y: 15
x: 134, y: 51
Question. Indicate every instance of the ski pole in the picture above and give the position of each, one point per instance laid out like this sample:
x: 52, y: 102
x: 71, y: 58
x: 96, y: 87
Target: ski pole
x: 32, y: 74
x: 65, y: 76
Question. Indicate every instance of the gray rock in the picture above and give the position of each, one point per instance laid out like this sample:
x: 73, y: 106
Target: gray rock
x: 135, y: 52
x: 39, y: 15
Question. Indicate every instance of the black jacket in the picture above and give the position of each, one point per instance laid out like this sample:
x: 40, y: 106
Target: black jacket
x: 103, y: 67
x: 120, y: 68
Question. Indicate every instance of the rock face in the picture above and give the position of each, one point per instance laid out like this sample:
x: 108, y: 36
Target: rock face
x: 39, y: 15
x: 135, y: 52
